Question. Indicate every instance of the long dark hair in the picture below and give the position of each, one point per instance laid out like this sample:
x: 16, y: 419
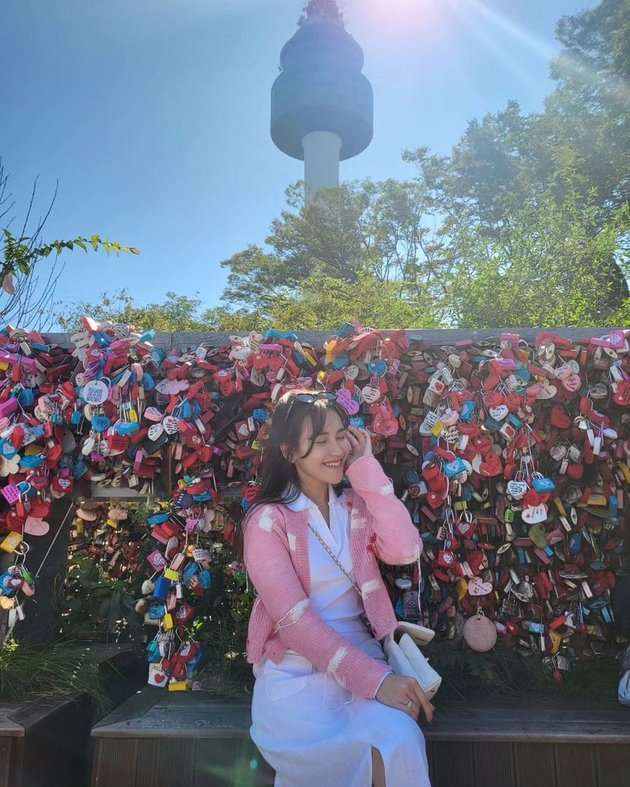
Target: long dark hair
x: 278, y: 477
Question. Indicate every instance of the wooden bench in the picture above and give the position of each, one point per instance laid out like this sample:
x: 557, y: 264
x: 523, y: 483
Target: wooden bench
x: 157, y: 739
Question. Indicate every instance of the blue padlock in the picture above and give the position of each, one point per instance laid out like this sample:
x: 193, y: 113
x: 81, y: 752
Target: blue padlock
x: 454, y: 468
x: 125, y: 428
x: 543, y: 485
x: 153, y: 652
x: 575, y: 543
x: 100, y: 423
x: 158, y: 519
x: 147, y: 336
x: 341, y: 361
x: 26, y: 397
x: 75, y: 418
x: 162, y: 587
x: 156, y: 611
x: 468, y: 411
x: 31, y: 462
x: 148, y: 383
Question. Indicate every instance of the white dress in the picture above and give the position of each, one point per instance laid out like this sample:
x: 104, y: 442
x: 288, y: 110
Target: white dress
x: 311, y: 730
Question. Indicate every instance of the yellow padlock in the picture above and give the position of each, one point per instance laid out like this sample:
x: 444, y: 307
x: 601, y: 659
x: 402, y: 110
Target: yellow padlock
x: 167, y: 621
x: 623, y: 466
x: 112, y: 523
x: 4, y: 366
x: 560, y: 506
x: 437, y: 429
x: 7, y: 603
x: 172, y: 575
x: 329, y: 346
x: 461, y: 586
x: 180, y: 685
x: 11, y: 542
x: 556, y: 641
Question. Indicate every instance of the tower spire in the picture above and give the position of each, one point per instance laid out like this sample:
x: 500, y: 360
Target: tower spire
x: 322, y: 9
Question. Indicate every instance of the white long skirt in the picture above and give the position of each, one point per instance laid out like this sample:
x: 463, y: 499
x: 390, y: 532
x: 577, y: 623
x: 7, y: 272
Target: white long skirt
x: 313, y: 732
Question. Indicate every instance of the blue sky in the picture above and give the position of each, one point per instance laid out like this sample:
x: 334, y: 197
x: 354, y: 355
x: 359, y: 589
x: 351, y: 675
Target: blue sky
x: 154, y: 115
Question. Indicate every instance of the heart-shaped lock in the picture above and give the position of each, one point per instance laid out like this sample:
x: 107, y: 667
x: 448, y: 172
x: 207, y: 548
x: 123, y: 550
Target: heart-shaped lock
x: 572, y: 383
x: 155, y: 431
x: 153, y: 414
x: 532, y: 515
x: 517, y: 489
x: 171, y: 424
x: 346, y: 400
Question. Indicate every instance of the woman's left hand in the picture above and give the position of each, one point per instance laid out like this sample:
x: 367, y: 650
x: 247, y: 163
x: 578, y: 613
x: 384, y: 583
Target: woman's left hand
x: 360, y: 444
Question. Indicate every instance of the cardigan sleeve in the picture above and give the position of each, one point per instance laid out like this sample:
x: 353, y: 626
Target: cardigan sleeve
x: 269, y: 565
x: 397, y: 541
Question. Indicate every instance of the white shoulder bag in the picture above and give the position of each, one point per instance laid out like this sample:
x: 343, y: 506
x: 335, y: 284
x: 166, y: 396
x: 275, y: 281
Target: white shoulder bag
x: 401, y: 646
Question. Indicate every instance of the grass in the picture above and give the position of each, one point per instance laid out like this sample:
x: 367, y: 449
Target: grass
x: 56, y: 670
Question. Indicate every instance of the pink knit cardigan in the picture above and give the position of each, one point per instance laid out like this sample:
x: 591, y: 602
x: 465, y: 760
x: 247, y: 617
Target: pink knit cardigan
x: 276, y: 557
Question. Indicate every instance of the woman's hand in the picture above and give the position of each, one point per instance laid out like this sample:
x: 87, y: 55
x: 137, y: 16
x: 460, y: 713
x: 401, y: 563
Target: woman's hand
x: 398, y: 692
x: 360, y: 444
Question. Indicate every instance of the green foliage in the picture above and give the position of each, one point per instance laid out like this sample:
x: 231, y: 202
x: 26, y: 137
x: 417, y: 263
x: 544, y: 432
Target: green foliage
x: 53, y: 670
x: 551, y: 265
x: 19, y: 254
x: 176, y: 313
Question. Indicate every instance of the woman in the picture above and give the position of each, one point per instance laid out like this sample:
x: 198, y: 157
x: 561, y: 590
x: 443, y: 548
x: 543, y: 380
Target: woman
x: 326, y: 707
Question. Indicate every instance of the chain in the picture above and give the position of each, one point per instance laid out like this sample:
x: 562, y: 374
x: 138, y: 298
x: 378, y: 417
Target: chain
x: 330, y: 552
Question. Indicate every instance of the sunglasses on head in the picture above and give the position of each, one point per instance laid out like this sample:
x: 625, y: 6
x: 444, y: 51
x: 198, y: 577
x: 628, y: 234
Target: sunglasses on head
x: 310, y: 398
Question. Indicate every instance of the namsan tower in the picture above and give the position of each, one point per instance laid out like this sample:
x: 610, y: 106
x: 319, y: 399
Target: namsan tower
x: 322, y: 105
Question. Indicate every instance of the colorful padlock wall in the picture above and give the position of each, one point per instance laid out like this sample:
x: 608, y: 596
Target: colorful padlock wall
x: 511, y: 453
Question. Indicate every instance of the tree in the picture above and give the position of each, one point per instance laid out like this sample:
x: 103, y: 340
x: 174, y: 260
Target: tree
x: 176, y: 313
x: 550, y: 266
x: 362, y: 234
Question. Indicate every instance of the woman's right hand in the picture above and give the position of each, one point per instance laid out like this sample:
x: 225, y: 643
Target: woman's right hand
x: 396, y: 691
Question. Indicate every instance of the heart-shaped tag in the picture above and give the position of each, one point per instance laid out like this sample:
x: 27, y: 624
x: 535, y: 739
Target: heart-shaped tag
x: 370, y: 394
x: 500, y: 412
x: 477, y: 587
x: 171, y: 424
x: 153, y: 414
x: 35, y: 526
x: 155, y: 430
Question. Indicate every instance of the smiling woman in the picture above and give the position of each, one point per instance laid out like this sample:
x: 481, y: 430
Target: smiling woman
x: 327, y: 706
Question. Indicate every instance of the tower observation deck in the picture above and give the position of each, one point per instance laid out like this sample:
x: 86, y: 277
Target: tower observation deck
x: 322, y: 105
